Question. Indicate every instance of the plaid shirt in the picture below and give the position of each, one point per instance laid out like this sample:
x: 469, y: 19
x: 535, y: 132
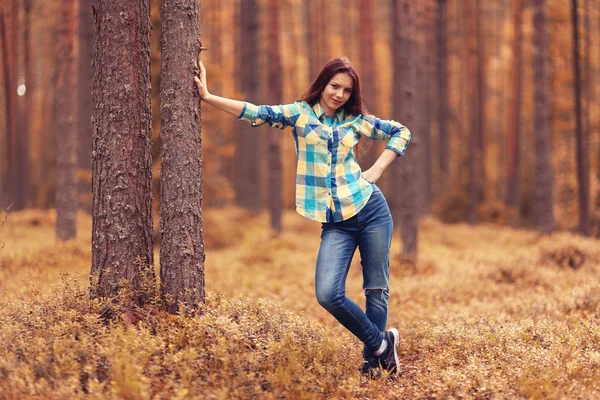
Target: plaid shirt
x: 329, y: 182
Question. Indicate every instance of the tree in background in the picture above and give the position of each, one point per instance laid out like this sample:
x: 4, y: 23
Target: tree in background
x: 404, y: 205
x: 182, y: 242
x: 84, y: 94
x: 66, y: 124
x: 247, y: 166
x: 513, y: 158
x: 122, y: 234
x: 581, y: 145
x: 275, y: 71
x: 544, y: 177
x: 443, y: 97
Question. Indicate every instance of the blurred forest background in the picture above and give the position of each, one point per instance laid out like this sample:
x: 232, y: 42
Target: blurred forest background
x: 473, y: 76
x: 499, y: 96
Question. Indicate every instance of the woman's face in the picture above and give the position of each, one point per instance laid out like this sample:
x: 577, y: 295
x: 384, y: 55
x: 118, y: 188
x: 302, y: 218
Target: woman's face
x: 336, y: 93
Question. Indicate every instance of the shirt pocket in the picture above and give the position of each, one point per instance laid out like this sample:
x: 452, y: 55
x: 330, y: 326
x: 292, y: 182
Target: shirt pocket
x: 348, y: 138
x: 312, y: 133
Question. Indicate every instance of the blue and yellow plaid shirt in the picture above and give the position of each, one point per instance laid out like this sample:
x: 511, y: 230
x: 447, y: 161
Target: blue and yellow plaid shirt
x: 329, y: 182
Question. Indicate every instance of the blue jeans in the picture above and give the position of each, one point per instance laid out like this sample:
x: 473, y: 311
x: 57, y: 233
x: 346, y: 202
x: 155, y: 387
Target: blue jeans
x: 371, y: 231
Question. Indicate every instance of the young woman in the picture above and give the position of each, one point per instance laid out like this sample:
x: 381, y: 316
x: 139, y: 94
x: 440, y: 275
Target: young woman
x: 331, y: 188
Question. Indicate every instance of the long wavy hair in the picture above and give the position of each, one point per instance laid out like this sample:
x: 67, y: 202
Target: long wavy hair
x: 354, y: 105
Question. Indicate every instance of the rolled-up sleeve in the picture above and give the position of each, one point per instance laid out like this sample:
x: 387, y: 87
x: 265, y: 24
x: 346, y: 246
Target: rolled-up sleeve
x: 396, y: 134
x: 281, y: 116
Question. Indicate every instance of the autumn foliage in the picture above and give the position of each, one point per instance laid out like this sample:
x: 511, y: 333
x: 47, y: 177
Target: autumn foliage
x: 488, y: 312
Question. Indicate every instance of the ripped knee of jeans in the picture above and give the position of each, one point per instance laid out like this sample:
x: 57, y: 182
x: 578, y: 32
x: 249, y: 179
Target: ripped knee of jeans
x: 383, y: 292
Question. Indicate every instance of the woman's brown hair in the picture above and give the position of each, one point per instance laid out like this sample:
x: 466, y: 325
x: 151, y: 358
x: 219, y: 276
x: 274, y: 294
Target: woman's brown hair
x: 354, y: 105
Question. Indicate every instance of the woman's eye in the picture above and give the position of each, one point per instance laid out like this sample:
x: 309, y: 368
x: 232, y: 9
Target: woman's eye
x: 334, y: 86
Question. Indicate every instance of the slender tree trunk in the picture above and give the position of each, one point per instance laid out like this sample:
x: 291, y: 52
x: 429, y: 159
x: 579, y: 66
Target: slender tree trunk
x: 474, y: 135
x: 368, y: 150
x: 481, y: 99
x: 182, y: 242
x: 25, y: 109
x: 443, y: 100
x: 9, y: 49
x: 247, y: 182
x: 581, y: 142
x: 544, y: 177
x: 122, y: 233
x: 66, y: 124
x: 404, y: 197
x: 276, y: 90
x: 84, y: 94
x: 514, y: 122
x: 9, y: 104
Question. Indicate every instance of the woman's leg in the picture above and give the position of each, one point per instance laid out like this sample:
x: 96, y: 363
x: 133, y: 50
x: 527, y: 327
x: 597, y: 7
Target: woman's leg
x: 338, y: 244
x: 374, y: 242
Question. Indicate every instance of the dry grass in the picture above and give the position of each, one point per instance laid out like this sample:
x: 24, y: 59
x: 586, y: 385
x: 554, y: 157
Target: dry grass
x: 488, y: 312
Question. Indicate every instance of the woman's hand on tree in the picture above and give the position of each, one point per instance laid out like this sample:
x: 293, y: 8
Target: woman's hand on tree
x: 201, y: 82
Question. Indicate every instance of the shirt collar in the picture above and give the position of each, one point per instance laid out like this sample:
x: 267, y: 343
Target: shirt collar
x: 318, y: 110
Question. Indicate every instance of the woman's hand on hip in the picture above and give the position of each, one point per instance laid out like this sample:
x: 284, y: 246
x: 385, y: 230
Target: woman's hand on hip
x: 372, y: 175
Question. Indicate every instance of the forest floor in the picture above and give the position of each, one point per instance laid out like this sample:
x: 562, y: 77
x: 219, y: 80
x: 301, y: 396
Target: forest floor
x: 489, y: 312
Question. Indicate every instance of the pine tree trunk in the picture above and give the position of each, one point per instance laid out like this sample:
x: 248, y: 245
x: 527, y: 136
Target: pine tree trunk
x: 182, y: 242
x: 122, y: 234
x: 84, y: 94
x: 403, y: 169
x: 476, y: 110
x: 514, y: 122
x: 9, y: 51
x: 581, y: 138
x: 275, y: 197
x: 443, y: 97
x: 368, y: 150
x: 544, y: 177
x: 9, y: 88
x: 247, y: 166
x: 66, y: 124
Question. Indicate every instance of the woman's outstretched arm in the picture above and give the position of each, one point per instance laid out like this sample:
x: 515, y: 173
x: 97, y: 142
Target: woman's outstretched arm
x: 233, y: 107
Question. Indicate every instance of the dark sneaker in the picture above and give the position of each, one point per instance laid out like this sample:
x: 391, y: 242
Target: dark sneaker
x: 370, y: 367
x: 389, y: 358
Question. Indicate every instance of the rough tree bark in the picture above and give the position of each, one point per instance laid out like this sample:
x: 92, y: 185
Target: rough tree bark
x: 182, y: 242
x: 66, y: 124
x: 122, y: 234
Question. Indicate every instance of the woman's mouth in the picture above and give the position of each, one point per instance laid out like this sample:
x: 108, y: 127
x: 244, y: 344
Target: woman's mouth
x: 336, y: 102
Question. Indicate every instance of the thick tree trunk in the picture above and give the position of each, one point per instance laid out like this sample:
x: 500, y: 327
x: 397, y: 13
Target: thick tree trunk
x: 403, y: 170
x: 66, y: 124
x: 275, y: 198
x: 544, y: 177
x: 122, y: 234
x: 247, y: 166
x: 580, y: 136
x: 182, y: 242
x: 86, y: 75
